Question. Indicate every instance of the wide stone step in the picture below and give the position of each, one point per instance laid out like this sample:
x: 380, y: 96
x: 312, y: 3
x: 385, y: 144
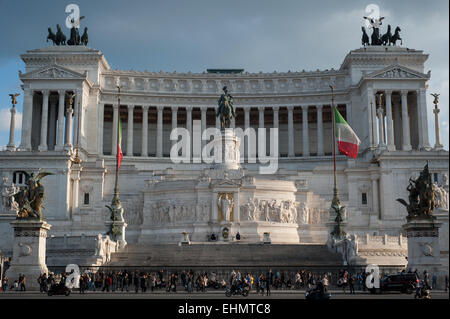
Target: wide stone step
x: 224, y: 255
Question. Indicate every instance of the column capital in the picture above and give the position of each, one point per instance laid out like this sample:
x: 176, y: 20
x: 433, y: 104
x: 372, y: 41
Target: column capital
x: 261, y: 108
x: 115, y: 106
x: 160, y: 108
x: 246, y: 108
x: 45, y: 92
x: 61, y: 92
x: 189, y: 108
x: 130, y: 107
x: 388, y: 92
x: 319, y: 107
x: 174, y: 108
x: 404, y: 92
x: 203, y: 108
x: 145, y: 107
x: 304, y: 107
x: 290, y: 107
x: 275, y: 108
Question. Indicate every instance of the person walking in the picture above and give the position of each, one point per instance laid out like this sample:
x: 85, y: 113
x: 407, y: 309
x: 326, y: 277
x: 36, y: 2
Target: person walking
x: 268, y: 286
x: 22, y: 283
x: 359, y: 279
x: 446, y: 283
x: 4, y: 283
x: 325, y: 282
x: 351, y: 284
x: 262, y: 284
x: 434, y: 281
x: 136, y: 281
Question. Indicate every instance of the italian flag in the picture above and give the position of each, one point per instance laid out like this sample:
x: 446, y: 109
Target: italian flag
x: 119, y: 148
x: 347, y: 140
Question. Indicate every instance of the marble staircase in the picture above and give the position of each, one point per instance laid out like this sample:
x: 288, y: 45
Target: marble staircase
x: 225, y: 255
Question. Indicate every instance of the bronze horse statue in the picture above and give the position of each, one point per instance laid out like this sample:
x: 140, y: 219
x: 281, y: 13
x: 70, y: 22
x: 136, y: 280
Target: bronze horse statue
x: 396, y: 36
x: 386, y: 38
x: 365, y: 37
x: 51, y: 36
x: 84, y: 37
x: 226, y: 109
x: 60, y: 37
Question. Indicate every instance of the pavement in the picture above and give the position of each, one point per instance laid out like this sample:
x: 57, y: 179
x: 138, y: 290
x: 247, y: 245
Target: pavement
x: 212, y: 294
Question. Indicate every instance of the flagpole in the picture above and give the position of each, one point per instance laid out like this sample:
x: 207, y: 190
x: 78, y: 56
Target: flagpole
x: 116, y: 185
x: 335, y: 189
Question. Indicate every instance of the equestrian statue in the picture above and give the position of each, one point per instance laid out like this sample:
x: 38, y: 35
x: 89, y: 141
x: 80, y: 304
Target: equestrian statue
x: 226, y: 109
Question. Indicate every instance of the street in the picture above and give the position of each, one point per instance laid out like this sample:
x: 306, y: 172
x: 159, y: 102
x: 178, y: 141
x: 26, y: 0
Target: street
x: 299, y: 294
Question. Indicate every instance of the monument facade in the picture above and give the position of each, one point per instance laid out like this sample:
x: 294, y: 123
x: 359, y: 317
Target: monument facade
x: 70, y: 105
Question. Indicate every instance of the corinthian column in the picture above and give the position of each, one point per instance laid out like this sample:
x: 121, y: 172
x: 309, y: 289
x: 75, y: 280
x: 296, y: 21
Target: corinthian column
x: 60, y: 142
x: 159, y: 131
x: 261, y: 116
x: 44, y: 121
x: 144, y: 147
x: 305, y: 134
x: 174, y: 120
x: 130, y: 130
x: 203, y: 110
x: 406, y: 145
x: 114, y: 129
x: 438, y: 145
x: 382, y: 144
x: 291, y: 152
x: 68, y: 138
x: 389, y: 122
x: 276, y: 110
x: 319, y: 130
x: 11, y: 146
x: 189, y: 124
x: 25, y: 142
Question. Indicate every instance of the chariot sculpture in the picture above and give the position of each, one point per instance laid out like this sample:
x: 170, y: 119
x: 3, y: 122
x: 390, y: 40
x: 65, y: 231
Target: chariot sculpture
x: 376, y: 39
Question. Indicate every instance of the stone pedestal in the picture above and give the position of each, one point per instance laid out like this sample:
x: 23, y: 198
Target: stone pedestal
x: 423, y: 245
x: 29, y: 248
x: 228, y: 145
x: 121, y: 226
x: 185, y: 239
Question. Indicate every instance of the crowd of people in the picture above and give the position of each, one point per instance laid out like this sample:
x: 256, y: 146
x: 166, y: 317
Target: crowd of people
x: 190, y: 281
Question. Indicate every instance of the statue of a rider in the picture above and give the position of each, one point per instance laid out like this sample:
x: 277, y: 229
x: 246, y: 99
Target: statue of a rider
x: 225, y: 109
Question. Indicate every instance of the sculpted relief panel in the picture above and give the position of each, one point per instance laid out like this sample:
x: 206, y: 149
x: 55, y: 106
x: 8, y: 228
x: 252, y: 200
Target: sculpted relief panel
x: 282, y: 211
x: 173, y: 211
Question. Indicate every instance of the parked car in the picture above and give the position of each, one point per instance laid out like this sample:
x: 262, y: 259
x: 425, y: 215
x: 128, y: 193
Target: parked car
x: 404, y: 283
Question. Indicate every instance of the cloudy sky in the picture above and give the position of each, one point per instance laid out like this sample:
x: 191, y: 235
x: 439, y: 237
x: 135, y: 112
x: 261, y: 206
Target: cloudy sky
x: 193, y: 35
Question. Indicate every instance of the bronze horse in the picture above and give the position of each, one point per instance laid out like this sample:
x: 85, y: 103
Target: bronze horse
x: 365, y: 37
x: 386, y: 38
x: 60, y: 37
x: 51, y: 36
x: 396, y: 36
